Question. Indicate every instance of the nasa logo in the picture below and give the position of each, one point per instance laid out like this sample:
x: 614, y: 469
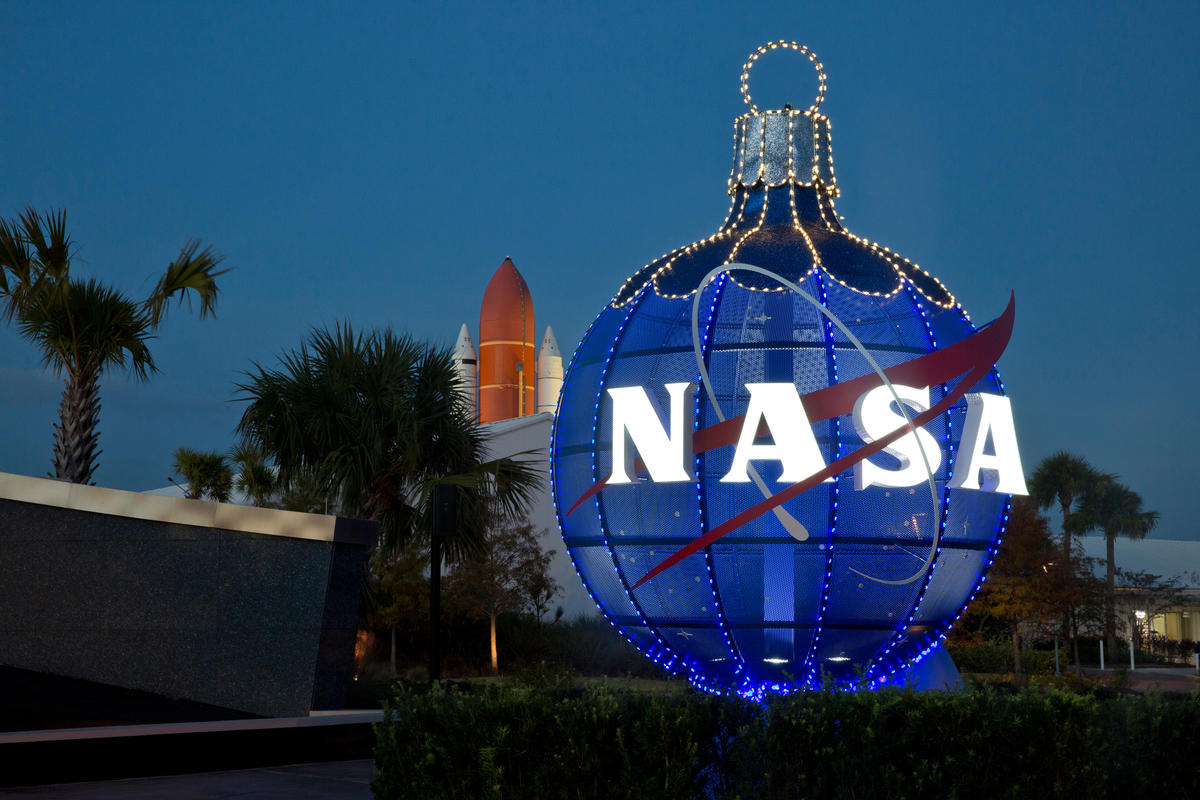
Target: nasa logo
x: 776, y: 410
x: 881, y: 416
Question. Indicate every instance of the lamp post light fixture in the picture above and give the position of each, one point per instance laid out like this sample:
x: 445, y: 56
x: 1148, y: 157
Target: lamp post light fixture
x: 445, y: 513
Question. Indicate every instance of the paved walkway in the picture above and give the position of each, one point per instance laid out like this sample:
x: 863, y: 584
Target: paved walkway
x: 334, y: 780
x: 1166, y: 679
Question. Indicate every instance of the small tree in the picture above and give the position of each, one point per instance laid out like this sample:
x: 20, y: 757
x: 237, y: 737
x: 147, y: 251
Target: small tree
x: 256, y: 478
x: 397, y: 597
x: 540, y: 588
x: 509, y: 572
x: 206, y: 475
x: 1020, y: 585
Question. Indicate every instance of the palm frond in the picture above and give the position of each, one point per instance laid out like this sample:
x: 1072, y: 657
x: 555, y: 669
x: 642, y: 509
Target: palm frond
x: 92, y: 327
x: 47, y: 235
x: 192, y: 272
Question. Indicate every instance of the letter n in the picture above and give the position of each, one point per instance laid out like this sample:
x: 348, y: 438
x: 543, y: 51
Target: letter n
x: 636, y: 424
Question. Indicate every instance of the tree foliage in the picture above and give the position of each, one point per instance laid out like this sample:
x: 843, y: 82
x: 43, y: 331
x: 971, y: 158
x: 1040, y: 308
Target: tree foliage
x: 1033, y: 580
x: 1021, y: 582
x: 255, y: 475
x: 84, y: 327
x: 206, y: 475
x: 375, y: 420
x: 1063, y: 478
x: 510, y: 572
x: 1116, y: 510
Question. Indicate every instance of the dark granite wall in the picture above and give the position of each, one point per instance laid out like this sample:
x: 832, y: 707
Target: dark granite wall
x: 259, y: 623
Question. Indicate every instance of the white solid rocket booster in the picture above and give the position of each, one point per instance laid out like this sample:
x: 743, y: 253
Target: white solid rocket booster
x: 466, y: 367
x: 549, y: 373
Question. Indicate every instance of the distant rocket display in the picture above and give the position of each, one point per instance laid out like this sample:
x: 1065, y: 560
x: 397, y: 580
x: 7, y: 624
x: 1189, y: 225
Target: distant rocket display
x: 508, y: 377
x: 466, y: 366
x: 549, y: 373
x: 506, y: 349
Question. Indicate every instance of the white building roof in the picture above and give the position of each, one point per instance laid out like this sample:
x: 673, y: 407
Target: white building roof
x: 1166, y: 557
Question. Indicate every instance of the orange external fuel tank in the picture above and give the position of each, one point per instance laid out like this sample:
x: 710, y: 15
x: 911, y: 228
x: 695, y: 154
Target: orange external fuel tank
x: 507, y: 362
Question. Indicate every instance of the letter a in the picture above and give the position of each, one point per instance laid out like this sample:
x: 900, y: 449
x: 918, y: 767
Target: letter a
x: 668, y: 458
x: 989, y: 414
x: 779, y: 405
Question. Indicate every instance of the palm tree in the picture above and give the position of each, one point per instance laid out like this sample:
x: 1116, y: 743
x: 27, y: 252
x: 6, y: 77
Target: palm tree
x: 256, y: 478
x: 84, y: 327
x: 206, y: 474
x: 1063, y: 477
x: 377, y: 420
x: 1115, y: 509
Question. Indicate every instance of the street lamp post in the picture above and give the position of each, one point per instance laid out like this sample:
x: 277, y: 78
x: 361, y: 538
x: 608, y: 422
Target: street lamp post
x: 445, y: 513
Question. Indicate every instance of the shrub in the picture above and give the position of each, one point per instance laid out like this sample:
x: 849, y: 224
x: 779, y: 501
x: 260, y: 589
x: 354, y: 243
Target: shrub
x: 984, y: 743
x: 997, y: 658
x: 521, y: 743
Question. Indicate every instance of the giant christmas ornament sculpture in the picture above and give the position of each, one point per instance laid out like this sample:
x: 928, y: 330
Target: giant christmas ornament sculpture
x: 782, y: 455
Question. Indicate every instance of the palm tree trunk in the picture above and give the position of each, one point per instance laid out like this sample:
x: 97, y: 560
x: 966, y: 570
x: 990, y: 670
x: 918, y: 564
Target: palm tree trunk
x: 1110, y: 581
x: 495, y: 660
x: 1069, y: 613
x: 1016, y: 639
x: 76, y: 434
x: 1075, y: 643
x: 393, y: 653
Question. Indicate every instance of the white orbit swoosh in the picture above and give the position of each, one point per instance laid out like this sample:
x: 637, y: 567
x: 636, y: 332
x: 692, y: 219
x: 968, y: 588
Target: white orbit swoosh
x: 790, y: 523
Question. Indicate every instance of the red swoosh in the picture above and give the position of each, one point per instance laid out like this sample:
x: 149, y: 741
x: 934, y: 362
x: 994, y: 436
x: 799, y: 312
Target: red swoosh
x: 939, y: 366
x: 974, y: 355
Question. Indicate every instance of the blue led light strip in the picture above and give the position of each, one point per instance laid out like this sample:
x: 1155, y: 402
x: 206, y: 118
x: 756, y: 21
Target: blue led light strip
x: 879, y: 661
x: 718, y: 605
x: 993, y: 549
x: 668, y: 658
x: 810, y: 667
x: 608, y: 617
x: 554, y: 481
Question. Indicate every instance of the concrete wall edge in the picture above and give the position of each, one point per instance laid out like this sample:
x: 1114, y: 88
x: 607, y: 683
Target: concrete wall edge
x: 157, y: 508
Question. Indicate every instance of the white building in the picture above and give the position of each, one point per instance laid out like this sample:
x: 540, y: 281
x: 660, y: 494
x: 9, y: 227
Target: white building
x: 1168, y: 558
x: 531, y: 435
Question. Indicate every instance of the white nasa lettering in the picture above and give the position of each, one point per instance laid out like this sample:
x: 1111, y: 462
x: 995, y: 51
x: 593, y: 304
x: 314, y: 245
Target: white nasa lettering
x: 779, y: 405
x: 874, y: 419
x: 668, y: 457
x: 1001, y: 470
x: 636, y: 424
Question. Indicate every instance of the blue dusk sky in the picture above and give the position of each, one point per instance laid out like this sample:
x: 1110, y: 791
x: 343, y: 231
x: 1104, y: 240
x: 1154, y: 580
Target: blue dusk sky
x: 376, y: 162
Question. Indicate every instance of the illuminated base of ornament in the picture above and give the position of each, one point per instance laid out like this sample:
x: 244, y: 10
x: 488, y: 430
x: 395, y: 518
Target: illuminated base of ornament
x: 935, y: 672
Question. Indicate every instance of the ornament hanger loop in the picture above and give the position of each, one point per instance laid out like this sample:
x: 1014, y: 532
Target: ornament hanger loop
x: 749, y: 65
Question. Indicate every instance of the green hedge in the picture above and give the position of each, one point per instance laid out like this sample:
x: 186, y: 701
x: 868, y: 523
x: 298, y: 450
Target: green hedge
x: 997, y: 657
x: 983, y: 743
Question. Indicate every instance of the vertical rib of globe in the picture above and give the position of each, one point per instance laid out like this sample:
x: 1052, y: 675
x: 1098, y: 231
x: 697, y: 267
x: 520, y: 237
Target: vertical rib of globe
x: 701, y: 397
x: 810, y: 667
x: 672, y: 662
x: 878, y: 662
x: 779, y: 569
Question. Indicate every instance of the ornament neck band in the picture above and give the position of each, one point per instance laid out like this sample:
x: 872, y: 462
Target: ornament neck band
x: 778, y: 147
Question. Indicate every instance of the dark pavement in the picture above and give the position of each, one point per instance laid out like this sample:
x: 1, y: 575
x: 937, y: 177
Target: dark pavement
x: 333, y: 780
x: 1165, y: 679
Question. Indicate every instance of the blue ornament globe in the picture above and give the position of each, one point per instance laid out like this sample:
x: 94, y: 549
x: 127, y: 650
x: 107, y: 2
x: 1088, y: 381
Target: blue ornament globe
x: 883, y: 572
